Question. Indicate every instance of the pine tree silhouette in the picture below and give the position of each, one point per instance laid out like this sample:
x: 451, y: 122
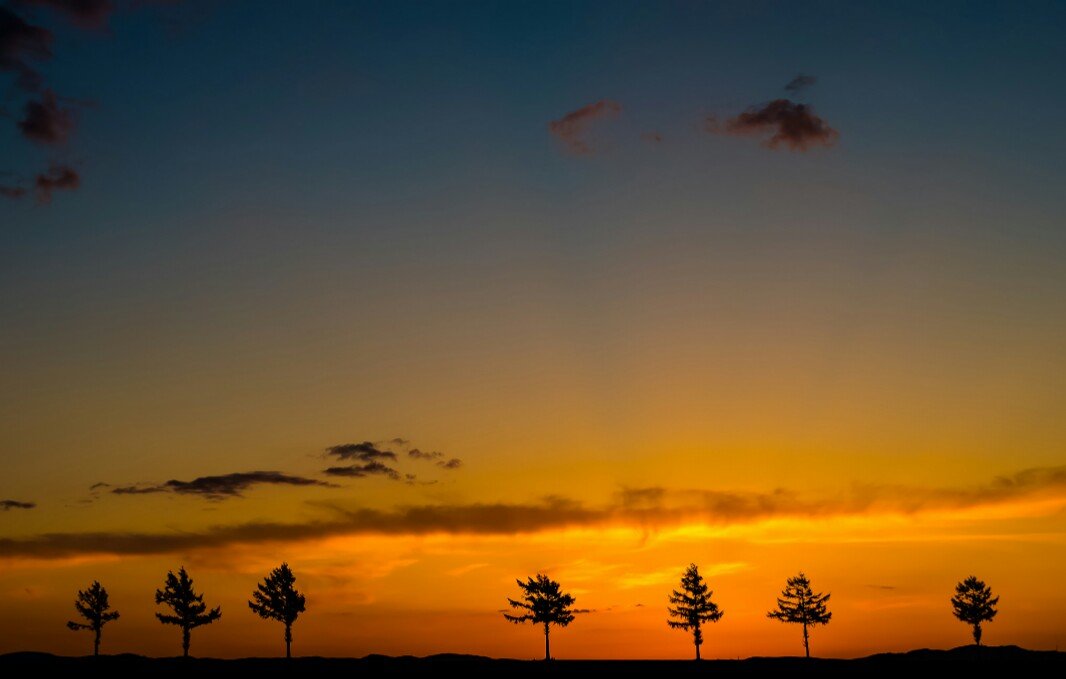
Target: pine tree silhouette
x: 691, y: 606
x: 189, y: 609
x: 798, y: 604
x: 973, y: 604
x: 276, y: 598
x: 544, y: 603
x: 92, y: 604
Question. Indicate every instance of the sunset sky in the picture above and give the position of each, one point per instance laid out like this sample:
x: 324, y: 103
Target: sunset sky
x: 424, y: 297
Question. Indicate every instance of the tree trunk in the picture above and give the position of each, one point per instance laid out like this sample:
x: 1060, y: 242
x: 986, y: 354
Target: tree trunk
x: 185, y: 642
x: 977, y: 633
x: 288, y: 641
x: 806, y: 641
x: 96, y: 642
x: 697, y: 650
x: 547, y: 644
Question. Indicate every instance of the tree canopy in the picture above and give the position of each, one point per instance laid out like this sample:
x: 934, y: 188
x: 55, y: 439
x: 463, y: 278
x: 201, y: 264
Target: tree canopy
x: 543, y: 603
x: 276, y: 598
x: 94, y: 606
x: 188, y: 608
x: 973, y: 604
x: 799, y: 604
x: 691, y: 606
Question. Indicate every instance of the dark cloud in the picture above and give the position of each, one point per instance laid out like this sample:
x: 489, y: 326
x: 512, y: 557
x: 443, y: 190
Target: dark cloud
x: 652, y: 137
x: 372, y: 468
x: 780, y: 122
x: 20, y: 44
x: 220, y: 487
x: 800, y: 83
x: 656, y: 510
x: 15, y: 504
x: 99, y: 485
x: 366, y: 451
x: 137, y: 490
x: 437, y: 457
x: 637, y: 498
x: 58, y: 177
x: 85, y: 13
x: 45, y: 121
x: 570, y: 129
x: 371, y: 458
x: 12, y: 191
x: 422, y: 455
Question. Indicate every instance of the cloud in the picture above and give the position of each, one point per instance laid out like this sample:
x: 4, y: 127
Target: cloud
x: 368, y: 456
x: 45, y: 121
x: 652, y: 137
x: 137, y: 490
x: 220, y: 487
x: 364, y: 452
x: 58, y: 177
x: 99, y: 485
x: 421, y: 455
x: 12, y: 191
x: 15, y: 504
x: 437, y: 457
x: 800, y: 83
x: 21, y: 43
x: 372, y: 468
x: 780, y: 122
x: 657, y: 509
x: 85, y: 13
x: 570, y: 128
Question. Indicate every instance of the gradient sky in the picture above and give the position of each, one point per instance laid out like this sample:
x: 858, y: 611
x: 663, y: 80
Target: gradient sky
x: 304, y: 227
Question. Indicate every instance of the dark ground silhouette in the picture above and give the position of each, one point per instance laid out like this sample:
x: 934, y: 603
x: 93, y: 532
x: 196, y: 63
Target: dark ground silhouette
x: 969, y: 661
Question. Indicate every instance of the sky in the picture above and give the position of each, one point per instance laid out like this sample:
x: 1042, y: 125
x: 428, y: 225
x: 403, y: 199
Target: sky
x: 422, y: 298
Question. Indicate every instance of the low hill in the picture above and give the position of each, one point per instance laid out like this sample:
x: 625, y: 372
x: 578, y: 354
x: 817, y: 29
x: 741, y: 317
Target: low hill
x: 968, y: 661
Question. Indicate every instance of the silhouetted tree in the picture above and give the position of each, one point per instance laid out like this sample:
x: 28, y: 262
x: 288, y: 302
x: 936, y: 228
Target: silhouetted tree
x: 545, y: 604
x: 691, y: 606
x: 798, y: 604
x: 189, y: 609
x: 276, y: 598
x: 973, y: 603
x: 92, y: 604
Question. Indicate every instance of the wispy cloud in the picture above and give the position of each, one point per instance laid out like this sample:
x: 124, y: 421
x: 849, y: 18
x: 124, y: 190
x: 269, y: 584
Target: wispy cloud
x: 378, y: 458
x: 436, y: 457
x: 15, y: 504
x: 58, y: 177
x: 364, y: 452
x: 649, y: 508
x: 85, y: 13
x: 22, y: 43
x: 571, y: 128
x: 23, y: 46
x: 800, y: 83
x: 780, y: 122
x: 219, y: 487
x: 373, y: 468
x: 12, y: 191
x: 45, y: 121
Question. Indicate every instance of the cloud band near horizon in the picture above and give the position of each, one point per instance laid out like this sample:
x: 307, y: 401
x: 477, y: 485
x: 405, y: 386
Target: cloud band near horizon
x: 647, y: 508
